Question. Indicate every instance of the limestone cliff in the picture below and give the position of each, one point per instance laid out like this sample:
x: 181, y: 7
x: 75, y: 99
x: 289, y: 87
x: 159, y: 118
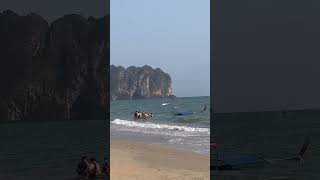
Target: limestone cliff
x: 53, y: 71
x: 139, y: 83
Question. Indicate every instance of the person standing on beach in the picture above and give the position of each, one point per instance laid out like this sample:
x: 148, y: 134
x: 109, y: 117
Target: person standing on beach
x: 83, y: 167
x: 98, y: 168
x: 94, y: 168
x: 106, y: 167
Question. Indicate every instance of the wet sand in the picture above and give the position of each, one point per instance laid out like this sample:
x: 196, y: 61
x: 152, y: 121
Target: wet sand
x: 135, y: 160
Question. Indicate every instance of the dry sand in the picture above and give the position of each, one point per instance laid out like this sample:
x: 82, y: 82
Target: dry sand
x: 133, y: 160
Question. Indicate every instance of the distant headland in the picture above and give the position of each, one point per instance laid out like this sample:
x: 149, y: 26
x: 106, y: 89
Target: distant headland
x: 139, y: 83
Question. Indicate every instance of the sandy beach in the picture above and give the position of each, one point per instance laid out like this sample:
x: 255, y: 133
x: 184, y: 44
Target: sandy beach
x: 135, y: 160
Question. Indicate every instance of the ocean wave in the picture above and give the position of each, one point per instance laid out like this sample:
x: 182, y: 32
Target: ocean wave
x: 159, y: 126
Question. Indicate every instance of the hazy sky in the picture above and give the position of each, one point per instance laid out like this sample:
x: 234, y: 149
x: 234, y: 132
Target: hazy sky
x: 52, y: 9
x: 173, y: 35
x: 266, y: 55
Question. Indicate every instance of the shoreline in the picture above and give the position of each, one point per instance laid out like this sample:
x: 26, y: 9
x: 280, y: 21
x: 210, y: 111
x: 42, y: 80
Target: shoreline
x: 136, y: 160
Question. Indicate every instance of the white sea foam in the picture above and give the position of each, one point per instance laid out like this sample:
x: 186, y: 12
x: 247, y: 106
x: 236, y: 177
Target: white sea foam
x: 159, y: 126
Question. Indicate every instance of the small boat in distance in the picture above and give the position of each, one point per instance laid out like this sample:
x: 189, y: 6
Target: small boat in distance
x: 183, y: 113
x: 176, y: 112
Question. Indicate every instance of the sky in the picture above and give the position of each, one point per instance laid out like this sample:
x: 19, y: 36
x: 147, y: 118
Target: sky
x: 173, y: 35
x: 53, y: 9
x: 266, y: 55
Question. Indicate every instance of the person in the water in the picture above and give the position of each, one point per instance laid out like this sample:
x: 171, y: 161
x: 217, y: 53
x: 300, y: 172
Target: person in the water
x: 136, y: 114
x: 144, y: 115
x: 205, y: 108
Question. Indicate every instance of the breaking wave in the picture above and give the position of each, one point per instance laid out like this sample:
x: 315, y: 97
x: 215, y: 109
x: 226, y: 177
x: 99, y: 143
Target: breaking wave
x: 159, y: 126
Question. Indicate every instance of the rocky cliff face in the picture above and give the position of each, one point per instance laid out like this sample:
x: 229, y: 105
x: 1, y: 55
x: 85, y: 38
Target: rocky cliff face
x: 139, y: 83
x: 53, y: 71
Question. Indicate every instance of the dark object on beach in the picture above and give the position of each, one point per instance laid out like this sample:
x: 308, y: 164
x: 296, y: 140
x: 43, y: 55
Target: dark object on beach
x: 245, y: 161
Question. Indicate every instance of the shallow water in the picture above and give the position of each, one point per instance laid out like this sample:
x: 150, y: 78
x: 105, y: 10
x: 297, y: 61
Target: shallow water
x: 190, y: 132
x: 269, y: 135
x: 49, y: 150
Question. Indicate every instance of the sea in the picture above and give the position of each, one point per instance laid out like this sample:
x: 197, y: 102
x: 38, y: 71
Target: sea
x: 268, y: 135
x: 49, y: 150
x: 188, y: 132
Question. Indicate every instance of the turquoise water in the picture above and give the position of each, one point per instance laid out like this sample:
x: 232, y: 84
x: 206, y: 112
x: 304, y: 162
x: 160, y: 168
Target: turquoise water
x: 191, y: 132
